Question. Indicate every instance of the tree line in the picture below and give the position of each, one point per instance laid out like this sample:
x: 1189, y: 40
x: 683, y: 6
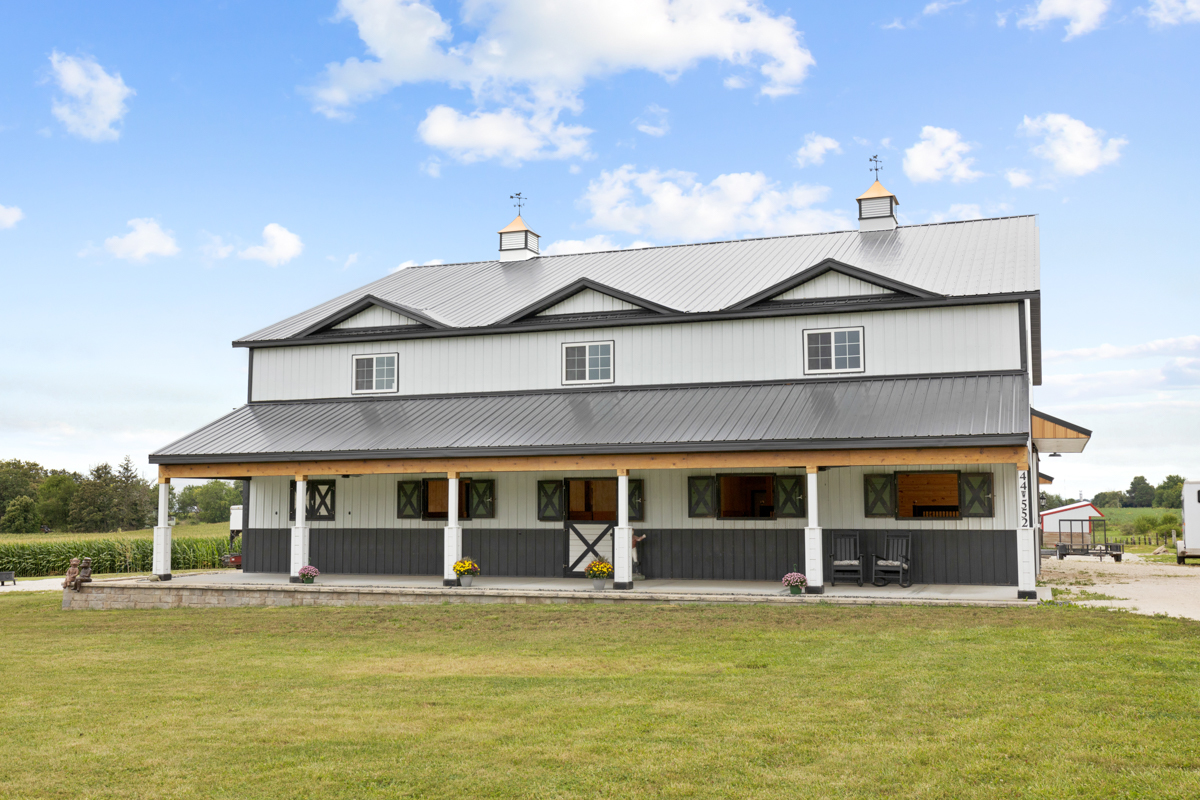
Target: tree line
x: 105, y: 499
x: 1140, y: 494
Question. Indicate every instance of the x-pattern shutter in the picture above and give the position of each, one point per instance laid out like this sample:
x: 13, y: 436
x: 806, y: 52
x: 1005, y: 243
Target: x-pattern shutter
x: 408, y: 500
x: 789, y: 496
x: 481, y: 499
x: 879, y: 493
x: 637, y: 500
x: 976, y: 498
x: 550, y: 501
x: 320, y: 505
x: 702, y: 496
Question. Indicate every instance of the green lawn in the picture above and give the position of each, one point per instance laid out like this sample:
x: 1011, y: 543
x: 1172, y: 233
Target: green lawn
x: 198, y: 531
x: 593, y: 701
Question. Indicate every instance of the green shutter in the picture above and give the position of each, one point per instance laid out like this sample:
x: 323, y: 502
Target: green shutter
x: 879, y: 493
x: 702, y: 496
x: 481, y: 499
x: 975, y: 494
x: 637, y: 500
x: 789, y: 496
x: 549, y: 501
x: 408, y: 500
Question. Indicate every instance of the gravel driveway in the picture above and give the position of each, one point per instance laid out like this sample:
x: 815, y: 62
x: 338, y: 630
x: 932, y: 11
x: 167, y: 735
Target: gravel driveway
x: 1144, y: 587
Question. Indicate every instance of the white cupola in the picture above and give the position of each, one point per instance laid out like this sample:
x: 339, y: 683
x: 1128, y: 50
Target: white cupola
x: 517, y: 241
x: 877, y: 209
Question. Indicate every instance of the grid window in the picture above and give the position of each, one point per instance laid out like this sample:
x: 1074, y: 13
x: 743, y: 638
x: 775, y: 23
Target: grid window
x: 839, y: 350
x: 375, y: 373
x: 590, y: 362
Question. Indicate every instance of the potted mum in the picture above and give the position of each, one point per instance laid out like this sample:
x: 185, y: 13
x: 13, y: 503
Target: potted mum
x: 309, y: 574
x: 796, y: 582
x: 466, y: 569
x: 599, y: 571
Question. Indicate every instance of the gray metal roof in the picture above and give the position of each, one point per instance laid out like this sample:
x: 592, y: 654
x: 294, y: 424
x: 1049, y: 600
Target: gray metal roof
x: 910, y: 411
x: 978, y: 257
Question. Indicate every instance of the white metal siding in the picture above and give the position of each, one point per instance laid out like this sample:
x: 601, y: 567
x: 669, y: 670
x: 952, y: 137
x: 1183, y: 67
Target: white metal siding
x: 376, y: 317
x: 914, y: 341
x: 588, y: 301
x: 875, y: 207
x: 831, y: 284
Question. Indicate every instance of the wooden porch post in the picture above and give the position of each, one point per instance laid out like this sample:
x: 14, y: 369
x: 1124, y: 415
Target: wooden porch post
x: 161, y: 559
x: 452, y: 549
x: 814, y: 562
x: 299, y: 550
x: 623, y: 536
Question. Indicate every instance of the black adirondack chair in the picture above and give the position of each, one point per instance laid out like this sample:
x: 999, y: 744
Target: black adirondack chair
x: 894, y: 564
x: 846, y: 561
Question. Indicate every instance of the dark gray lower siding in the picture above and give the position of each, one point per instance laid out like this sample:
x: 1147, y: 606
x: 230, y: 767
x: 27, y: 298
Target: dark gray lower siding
x: 516, y: 553
x: 265, y: 549
x: 965, y: 557
x: 378, y: 551
x: 716, y: 555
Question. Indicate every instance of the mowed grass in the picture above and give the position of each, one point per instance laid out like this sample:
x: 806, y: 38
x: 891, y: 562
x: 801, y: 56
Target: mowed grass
x: 594, y: 701
x: 201, y: 530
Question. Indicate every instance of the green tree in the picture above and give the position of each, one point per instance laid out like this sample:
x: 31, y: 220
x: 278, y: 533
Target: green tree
x: 93, y: 508
x: 54, y: 500
x: 134, y: 498
x: 20, y: 516
x: 1140, y: 494
x: 214, y: 498
x: 19, y: 479
x: 1112, y: 499
x: 1169, y: 493
x: 1049, y: 501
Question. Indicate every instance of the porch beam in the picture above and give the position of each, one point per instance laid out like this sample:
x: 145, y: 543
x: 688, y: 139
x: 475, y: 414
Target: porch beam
x: 1014, y: 454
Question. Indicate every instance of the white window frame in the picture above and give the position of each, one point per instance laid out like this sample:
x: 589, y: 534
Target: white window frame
x: 612, y: 366
x: 862, y: 350
x: 353, y: 383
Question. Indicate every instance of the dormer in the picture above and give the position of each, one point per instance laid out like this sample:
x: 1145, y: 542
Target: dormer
x: 877, y: 209
x: 517, y: 241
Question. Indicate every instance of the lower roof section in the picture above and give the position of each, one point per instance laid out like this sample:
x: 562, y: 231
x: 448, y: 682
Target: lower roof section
x: 925, y: 411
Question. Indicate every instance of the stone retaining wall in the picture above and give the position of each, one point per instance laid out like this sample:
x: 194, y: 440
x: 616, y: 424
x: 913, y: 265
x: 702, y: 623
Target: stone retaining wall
x: 149, y: 595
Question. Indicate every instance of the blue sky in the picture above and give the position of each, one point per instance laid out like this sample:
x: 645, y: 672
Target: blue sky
x: 177, y: 175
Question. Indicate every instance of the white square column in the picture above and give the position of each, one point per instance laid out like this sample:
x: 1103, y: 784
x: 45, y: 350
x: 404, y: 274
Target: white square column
x: 623, y: 536
x: 452, y: 549
x: 814, y: 561
x: 160, y: 562
x: 1027, y: 558
x: 299, y: 548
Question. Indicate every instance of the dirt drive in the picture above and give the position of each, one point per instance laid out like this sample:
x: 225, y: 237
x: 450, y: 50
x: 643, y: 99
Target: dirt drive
x: 1142, y: 586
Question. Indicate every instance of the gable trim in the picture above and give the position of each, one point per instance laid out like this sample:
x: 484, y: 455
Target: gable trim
x: 360, y: 305
x: 578, y: 286
x: 833, y: 265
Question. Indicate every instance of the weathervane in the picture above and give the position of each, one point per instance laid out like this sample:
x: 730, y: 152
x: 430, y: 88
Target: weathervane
x: 520, y: 201
x: 876, y: 165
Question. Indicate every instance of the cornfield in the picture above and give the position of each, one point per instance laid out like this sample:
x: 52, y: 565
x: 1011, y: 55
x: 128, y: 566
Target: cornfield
x: 30, y: 560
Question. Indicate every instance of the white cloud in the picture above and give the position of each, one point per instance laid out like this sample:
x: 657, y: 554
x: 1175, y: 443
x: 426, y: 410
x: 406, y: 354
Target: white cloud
x: 1070, y: 145
x: 10, y: 216
x: 279, y: 246
x: 1083, y: 16
x: 1172, y: 12
x: 673, y: 205
x: 653, y: 122
x: 1002, y: 18
x: 506, y: 135
x: 411, y: 263
x: 895, y: 25
x: 215, y: 247
x: 941, y: 153
x: 814, y: 149
x: 1018, y: 178
x: 93, y: 100
x: 939, y: 6
x: 146, y: 239
x: 734, y: 82
x: 958, y: 211
x: 1159, y: 347
x: 351, y: 260
x: 591, y: 244
x: 534, y: 58
x: 1178, y: 373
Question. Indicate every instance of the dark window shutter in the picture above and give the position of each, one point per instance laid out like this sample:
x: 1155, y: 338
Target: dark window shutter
x: 408, y: 500
x: 481, y: 499
x: 879, y: 492
x: 789, y: 495
x: 702, y: 496
x: 637, y: 500
x: 320, y: 506
x: 550, y: 501
x: 976, y: 497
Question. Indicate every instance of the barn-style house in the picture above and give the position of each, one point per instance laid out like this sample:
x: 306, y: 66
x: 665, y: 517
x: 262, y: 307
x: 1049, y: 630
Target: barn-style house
x: 735, y: 408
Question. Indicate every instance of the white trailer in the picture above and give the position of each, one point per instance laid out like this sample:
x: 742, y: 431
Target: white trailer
x: 1189, y: 545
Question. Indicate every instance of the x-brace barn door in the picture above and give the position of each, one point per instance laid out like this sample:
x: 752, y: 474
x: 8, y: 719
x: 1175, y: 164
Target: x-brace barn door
x: 585, y: 543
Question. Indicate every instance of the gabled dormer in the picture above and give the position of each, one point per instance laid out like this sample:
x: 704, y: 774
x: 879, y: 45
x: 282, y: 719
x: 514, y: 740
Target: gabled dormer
x: 832, y: 281
x: 370, y: 313
x: 586, y: 298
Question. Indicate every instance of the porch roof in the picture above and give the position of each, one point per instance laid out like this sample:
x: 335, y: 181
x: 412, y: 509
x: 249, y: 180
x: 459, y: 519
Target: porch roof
x: 917, y: 411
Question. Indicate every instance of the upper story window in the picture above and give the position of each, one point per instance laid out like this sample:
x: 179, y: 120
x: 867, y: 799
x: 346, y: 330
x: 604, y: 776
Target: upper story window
x: 833, y: 350
x: 588, y: 362
x: 373, y: 374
